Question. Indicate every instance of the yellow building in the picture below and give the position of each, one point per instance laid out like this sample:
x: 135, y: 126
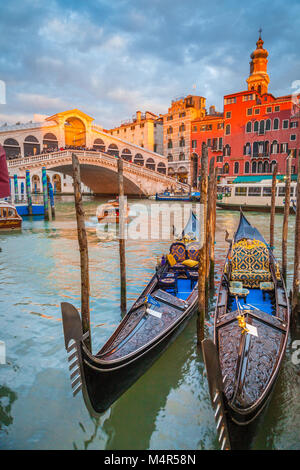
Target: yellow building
x: 144, y: 130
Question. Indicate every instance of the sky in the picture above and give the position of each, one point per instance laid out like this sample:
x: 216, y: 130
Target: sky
x: 112, y: 58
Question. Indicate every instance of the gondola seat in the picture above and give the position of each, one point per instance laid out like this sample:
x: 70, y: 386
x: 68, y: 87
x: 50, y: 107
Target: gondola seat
x: 250, y: 263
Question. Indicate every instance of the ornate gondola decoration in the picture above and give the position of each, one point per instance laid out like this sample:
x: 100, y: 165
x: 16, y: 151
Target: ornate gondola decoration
x: 251, y: 327
x: 155, y: 319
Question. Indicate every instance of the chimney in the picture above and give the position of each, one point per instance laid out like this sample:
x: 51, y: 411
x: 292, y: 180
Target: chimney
x: 212, y: 110
x: 138, y: 116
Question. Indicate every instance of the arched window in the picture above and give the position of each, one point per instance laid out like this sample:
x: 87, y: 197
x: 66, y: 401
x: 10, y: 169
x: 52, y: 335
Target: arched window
x: 247, y: 149
x: 170, y: 144
x: 268, y: 124
x: 36, y: 185
x: 99, y: 145
x: 236, y: 168
x: 255, y: 149
x: 113, y: 150
x: 161, y: 168
x: 255, y: 127
x: 170, y: 130
x: 126, y: 155
x: 259, y: 167
x: 262, y: 127
x: 272, y: 165
x: 274, y: 147
x: 247, y: 167
x: 226, y: 169
x: 150, y: 164
x: 266, y: 167
x: 170, y: 157
x: 182, y: 127
x: 139, y: 159
x: 31, y: 146
x: 181, y: 156
x: 182, y: 142
x: 249, y: 126
x: 50, y: 141
x: 227, y: 129
x: 267, y: 148
x: 12, y: 148
x: 253, y: 167
x: 276, y: 124
x: 227, y: 150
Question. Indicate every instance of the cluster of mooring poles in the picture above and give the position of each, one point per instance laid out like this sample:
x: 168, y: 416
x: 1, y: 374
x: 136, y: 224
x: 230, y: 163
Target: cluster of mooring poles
x: 208, y: 200
x: 294, y: 295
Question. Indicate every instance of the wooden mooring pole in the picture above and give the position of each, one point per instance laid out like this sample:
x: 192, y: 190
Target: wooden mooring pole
x: 84, y: 256
x: 286, y: 216
x: 273, y: 206
x: 28, y: 193
x: 45, y: 193
x: 203, y: 250
x: 122, y: 237
x: 212, y: 197
x: 296, y: 281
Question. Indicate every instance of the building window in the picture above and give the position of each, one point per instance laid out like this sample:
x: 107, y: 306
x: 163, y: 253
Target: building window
x: 219, y: 158
x: 236, y: 168
x: 182, y: 142
x: 257, y: 111
x: 249, y: 127
x: 170, y: 144
x: 293, y: 124
x: 170, y: 157
x: 284, y: 148
x: 274, y: 147
x: 269, y: 109
x: 208, y: 142
x: 194, y: 144
x: 276, y: 109
x: 247, y: 167
x: 170, y: 130
x: 230, y: 100
x: 255, y: 127
x: 227, y: 129
x: 276, y: 124
x: 293, y: 137
x: 221, y: 125
x: 253, y: 167
x: 226, y: 169
x: 181, y: 156
x: 285, y: 124
x: 182, y: 128
x: 268, y: 124
x: 249, y: 112
x: 220, y: 143
x: 194, y: 128
x: 169, y: 118
x: 228, y: 115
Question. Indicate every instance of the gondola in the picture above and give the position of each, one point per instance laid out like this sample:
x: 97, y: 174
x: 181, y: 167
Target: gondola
x: 250, y: 331
x: 152, y: 323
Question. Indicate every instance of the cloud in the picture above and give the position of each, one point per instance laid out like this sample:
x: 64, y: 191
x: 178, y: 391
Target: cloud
x: 111, y: 58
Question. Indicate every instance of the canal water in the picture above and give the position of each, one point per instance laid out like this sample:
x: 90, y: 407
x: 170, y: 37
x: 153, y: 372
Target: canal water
x: 169, y: 406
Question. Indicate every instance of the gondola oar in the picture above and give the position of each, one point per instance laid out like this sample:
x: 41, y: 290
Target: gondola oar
x: 216, y: 386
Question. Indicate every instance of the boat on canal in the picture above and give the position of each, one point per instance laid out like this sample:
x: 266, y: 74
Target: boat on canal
x: 173, y: 196
x: 251, y: 328
x: 152, y: 323
x: 9, y: 217
x: 254, y: 196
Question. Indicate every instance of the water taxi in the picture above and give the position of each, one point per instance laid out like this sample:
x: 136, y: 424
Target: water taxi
x: 9, y: 217
x: 254, y: 196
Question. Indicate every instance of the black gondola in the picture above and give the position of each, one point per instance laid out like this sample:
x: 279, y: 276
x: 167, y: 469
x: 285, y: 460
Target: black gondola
x: 154, y: 320
x: 250, y: 331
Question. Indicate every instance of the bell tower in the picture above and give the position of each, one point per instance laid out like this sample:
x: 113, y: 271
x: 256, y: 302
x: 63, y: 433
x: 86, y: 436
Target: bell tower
x: 258, y: 79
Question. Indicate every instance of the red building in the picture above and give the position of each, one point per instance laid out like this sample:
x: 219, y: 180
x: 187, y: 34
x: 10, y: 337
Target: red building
x: 259, y: 129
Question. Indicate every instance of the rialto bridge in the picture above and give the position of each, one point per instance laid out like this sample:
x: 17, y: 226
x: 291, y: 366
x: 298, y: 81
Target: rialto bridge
x: 50, y: 143
x: 98, y: 172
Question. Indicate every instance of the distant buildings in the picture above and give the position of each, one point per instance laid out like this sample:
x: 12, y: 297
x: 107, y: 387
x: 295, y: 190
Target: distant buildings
x: 144, y: 130
x: 254, y: 131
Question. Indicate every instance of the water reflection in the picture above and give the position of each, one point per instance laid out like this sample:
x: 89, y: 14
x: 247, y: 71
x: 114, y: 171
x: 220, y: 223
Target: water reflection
x: 169, y: 406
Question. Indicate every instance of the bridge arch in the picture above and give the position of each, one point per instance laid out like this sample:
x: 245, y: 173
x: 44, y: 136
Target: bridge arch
x: 75, y: 132
x: 139, y: 159
x: 126, y: 155
x: 99, y: 145
x: 31, y: 145
x: 113, y: 149
x: 12, y: 148
x: 150, y: 164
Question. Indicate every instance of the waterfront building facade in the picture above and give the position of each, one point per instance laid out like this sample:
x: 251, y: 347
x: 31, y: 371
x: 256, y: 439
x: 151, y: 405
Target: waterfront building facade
x: 177, y: 125
x: 144, y: 130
